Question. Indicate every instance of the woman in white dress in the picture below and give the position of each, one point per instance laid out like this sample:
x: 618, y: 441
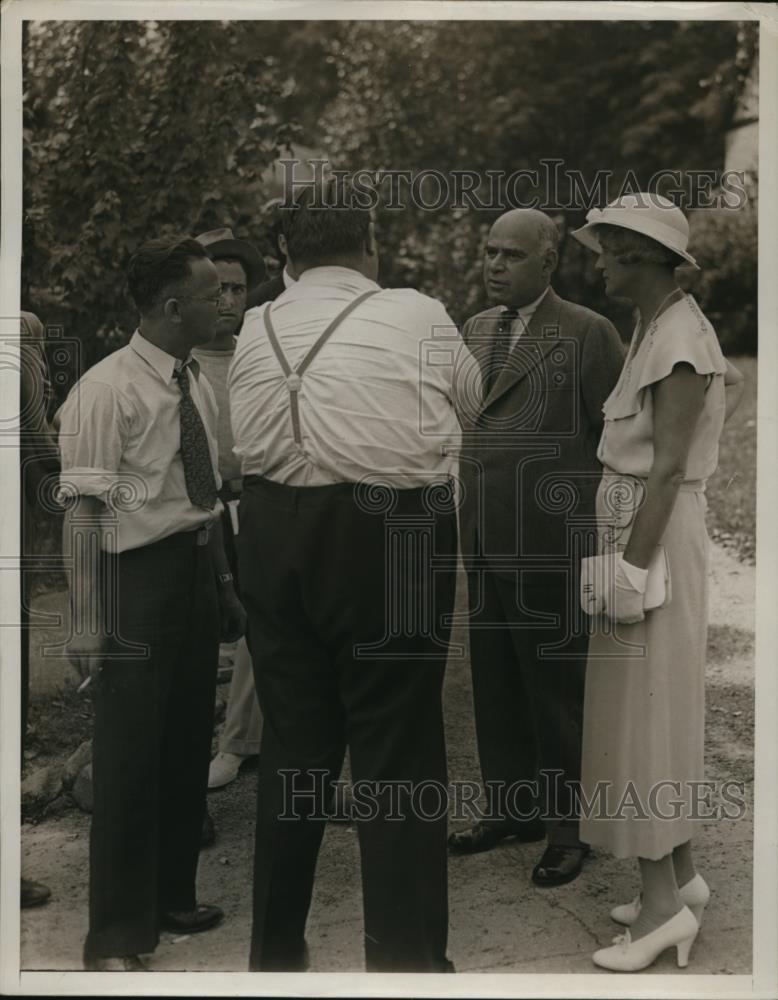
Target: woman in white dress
x: 645, y: 699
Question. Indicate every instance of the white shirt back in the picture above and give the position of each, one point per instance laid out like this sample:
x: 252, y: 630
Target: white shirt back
x: 377, y: 401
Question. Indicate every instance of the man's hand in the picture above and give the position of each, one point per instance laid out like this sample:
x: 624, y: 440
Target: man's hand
x: 82, y: 538
x: 87, y: 653
x: 233, y: 617
x: 232, y: 613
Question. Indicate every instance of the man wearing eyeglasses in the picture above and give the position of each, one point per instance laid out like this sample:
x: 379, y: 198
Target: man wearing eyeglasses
x: 530, y: 472
x: 151, y: 594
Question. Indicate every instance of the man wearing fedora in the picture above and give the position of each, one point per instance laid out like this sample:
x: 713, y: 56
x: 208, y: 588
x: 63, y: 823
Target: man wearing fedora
x: 529, y: 472
x: 241, y: 271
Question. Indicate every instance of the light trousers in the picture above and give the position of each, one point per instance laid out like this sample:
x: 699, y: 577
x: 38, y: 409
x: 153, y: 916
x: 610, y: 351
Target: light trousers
x: 243, y: 720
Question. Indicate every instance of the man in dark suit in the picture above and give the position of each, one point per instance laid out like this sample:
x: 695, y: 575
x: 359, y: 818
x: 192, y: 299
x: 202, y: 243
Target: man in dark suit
x: 529, y: 472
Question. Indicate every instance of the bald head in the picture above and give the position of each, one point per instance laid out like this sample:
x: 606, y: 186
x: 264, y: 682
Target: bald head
x: 529, y: 223
x: 521, y: 255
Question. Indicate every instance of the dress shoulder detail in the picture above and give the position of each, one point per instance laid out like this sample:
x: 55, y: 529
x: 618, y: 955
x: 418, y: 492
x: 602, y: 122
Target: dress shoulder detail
x: 683, y: 335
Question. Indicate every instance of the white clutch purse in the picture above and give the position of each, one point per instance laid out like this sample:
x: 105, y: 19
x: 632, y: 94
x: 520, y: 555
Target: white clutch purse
x: 597, y: 574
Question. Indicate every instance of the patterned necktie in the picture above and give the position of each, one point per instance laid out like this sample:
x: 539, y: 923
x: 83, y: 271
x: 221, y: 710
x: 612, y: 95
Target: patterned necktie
x: 195, y: 454
x: 501, y: 348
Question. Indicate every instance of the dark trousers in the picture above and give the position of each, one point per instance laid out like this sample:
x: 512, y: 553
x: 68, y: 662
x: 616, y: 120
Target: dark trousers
x: 528, y: 700
x: 318, y: 580
x: 151, y: 746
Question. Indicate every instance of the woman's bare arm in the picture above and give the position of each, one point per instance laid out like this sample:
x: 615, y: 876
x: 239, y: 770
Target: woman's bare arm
x: 678, y: 403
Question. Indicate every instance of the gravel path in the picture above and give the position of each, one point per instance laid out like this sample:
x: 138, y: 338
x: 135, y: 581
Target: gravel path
x: 499, y: 921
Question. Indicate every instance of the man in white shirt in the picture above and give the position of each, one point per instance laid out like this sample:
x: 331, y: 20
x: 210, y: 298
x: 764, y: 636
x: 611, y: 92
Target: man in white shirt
x: 345, y: 424
x: 150, y: 594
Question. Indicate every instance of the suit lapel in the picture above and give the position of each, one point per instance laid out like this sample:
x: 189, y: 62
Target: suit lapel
x: 479, y: 336
x: 530, y: 348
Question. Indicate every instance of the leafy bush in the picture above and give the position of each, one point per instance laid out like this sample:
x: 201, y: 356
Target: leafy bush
x: 724, y: 243
x: 731, y: 489
x: 134, y: 129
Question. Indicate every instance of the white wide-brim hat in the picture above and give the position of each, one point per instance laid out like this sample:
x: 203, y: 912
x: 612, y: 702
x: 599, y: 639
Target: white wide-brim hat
x: 647, y: 213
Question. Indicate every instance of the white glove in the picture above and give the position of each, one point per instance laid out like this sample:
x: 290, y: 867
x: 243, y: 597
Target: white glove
x: 624, y: 597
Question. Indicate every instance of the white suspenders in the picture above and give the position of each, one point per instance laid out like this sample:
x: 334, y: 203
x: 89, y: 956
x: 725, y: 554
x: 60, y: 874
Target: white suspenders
x: 294, y: 378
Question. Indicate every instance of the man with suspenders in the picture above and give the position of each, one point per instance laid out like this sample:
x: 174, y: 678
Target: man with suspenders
x: 345, y: 431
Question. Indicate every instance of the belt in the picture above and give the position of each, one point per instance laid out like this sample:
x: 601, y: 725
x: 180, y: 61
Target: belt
x: 687, y: 486
x: 201, y: 535
x: 231, y: 488
x: 365, y: 497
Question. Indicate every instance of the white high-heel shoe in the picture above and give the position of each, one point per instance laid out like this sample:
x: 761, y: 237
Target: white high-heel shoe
x: 626, y: 955
x: 695, y: 894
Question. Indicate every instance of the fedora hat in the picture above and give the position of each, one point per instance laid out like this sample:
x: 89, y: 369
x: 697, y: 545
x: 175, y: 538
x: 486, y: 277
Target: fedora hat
x: 647, y: 213
x: 220, y: 243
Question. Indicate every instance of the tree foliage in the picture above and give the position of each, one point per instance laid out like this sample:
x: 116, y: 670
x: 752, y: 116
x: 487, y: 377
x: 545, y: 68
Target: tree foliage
x: 630, y: 97
x: 725, y: 246
x: 135, y: 129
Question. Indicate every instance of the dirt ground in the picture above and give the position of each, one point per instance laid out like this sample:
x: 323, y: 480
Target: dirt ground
x: 499, y: 921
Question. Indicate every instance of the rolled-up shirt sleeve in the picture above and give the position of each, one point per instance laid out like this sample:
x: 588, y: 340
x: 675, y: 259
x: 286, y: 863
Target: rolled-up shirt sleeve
x: 94, y: 426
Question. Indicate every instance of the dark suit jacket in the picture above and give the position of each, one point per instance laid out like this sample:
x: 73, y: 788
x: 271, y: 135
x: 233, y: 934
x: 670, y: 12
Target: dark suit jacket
x: 265, y: 292
x: 529, y: 463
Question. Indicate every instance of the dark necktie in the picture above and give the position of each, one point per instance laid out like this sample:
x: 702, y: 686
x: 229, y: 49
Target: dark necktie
x: 501, y: 348
x: 195, y: 454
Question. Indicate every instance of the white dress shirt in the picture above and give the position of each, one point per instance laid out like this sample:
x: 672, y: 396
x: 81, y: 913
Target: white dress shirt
x: 521, y: 323
x: 377, y: 401
x: 120, y: 440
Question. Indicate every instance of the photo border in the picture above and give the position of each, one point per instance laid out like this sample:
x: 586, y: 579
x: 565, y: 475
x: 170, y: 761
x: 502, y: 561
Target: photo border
x: 764, y: 979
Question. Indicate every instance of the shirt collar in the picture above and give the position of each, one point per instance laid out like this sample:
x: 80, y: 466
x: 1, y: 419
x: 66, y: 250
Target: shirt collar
x: 164, y: 364
x: 287, y: 278
x: 335, y: 274
x: 526, y: 311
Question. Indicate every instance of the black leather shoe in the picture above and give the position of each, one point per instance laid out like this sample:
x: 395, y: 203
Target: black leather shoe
x: 559, y: 865
x: 202, y: 918
x: 208, y: 832
x: 123, y: 963
x: 483, y: 837
x: 32, y: 893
